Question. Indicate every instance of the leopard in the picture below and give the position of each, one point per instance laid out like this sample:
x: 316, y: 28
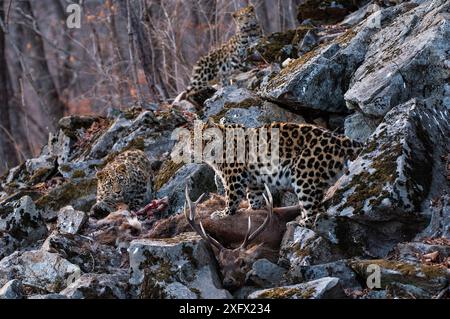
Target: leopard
x: 126, y: 180
x: 231, y: 56
x: 310, y: 158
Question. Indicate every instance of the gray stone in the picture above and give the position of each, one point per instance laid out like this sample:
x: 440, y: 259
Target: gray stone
x: 179, y: 267
x: 320, y: 78
x: 97, y: 286
x: 20, y: 225
x: 430, y: 278
x: 303, y: 247
x: 414, y: 46
x: 84, y: 252
x: 265, y: 274
x: 257, y: 116
x: 39, y: 269
x: 70, y: 220
x: 229, y: 97
x: 11, y: 290
x: 339, y: 269
x: 40, y: 168
x: 198, y: 177
x: 375, y: 205
x: 359, y: 127
x: 324, y: 288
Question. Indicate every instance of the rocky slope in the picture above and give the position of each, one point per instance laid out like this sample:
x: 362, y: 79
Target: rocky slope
x: 380, y: 75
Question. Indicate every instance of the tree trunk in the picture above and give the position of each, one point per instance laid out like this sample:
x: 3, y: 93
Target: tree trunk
x: 36, y: 70
x: 8, y: 152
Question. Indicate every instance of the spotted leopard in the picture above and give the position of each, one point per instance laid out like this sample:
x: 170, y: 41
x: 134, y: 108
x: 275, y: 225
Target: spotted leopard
x: 125, y: 180
x: 230, y: 56
x: 310, y: 159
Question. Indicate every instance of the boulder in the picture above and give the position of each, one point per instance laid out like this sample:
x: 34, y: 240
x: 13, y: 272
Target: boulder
x: 198, y: 177
x: 84, y: 252
x: 70, y: 220
x: 430, y: 278
x: 265, y: 274
x: 303, y: 247
x: 413, y: 46
x: 378, y: 203
x: 97, y: 286
x: 20, y: 225
x: 359, y: 127
x: 38, y: 269
x: 339, y: 269
x: 179, y: 267
x: 325, y: 11
x: 11, y: 290
x: 324, y: 288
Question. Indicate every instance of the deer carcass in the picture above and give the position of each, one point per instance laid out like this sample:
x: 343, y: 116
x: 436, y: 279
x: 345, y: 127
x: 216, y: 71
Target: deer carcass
x: 238, y: 240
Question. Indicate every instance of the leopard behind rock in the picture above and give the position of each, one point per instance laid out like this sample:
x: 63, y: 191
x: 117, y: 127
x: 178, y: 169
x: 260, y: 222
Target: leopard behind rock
x: 218, y: 64
x: 125, y: 180
x: 310, y: 159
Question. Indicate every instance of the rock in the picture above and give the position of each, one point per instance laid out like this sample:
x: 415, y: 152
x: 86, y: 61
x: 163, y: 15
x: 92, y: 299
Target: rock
x: 11, y: 290
x: 318, y: 79
x: 40, y: 168
x: 38, y: 269
x: 198, y: 177
x: 413, y: 252
x: 440, y: 217
x: 325, y: 11
x: 80, y: 169
x: 257, y: 116
x: 70, y: 124
x: 78, y: 193
x: 324, y: 288
x: 402, y: 291
x: 70, y: 220
x: 84, y: 252
x: 303, y: 247
x: 279, y: 46
x: 97, y: 286
x: 414, y: 46
x: 359, y: 127
x: 265, y: 274
x: 310, y: 40
x: 179, y: 267
x: 229, y: 97
x: 376, y: 204
x: 8, y: 244
x: 20, y: 225
x: 339, y: 269
x: 431, y: 278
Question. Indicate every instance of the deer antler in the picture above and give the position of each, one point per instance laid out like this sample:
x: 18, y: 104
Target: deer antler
x: 190, y: 217
x: 250, y: 237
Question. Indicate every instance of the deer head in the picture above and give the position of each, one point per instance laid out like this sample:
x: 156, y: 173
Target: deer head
x: 234, y: 263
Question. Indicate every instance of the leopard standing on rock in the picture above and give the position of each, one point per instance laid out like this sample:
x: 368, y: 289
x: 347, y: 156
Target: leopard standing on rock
x: 310, y: 159
x: 232, y: 55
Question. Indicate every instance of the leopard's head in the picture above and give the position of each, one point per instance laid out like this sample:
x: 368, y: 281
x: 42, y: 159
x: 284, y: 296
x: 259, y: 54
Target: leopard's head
x: 246, y: 18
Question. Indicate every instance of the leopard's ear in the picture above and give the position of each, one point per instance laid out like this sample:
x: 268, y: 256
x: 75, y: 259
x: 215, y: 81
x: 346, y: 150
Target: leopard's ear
x: 251, y: 8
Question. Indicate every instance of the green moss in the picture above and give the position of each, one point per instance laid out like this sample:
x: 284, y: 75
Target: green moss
x: 165, y: 173
x: 287, y: 293
x: 66, y: 193
x: 367, y: 186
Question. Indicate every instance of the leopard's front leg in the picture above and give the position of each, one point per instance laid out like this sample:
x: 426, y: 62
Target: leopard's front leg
x: 234, y: 186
